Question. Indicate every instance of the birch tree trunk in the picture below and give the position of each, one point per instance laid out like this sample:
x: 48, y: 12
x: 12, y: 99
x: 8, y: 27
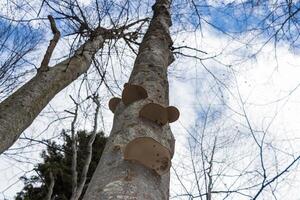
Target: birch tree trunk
x: 19, y: 110
x: 116, y: 178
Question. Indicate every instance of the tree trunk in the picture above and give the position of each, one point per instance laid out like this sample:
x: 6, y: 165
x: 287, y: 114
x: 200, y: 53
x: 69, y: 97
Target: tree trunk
x: 116, y: 178
x: 19, y: 110
x: 50, y: 187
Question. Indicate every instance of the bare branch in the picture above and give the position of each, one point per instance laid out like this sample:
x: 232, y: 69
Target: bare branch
x: 89, y: 148
x: 74, y: 149
x: 52, y: 45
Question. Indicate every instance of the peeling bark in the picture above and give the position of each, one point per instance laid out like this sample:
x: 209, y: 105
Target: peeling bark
x: 114, y: 177
x: 19, y: 110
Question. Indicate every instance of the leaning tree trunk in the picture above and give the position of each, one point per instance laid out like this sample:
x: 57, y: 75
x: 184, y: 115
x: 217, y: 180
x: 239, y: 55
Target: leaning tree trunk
x: 118, y: 176
x: 19, y: 110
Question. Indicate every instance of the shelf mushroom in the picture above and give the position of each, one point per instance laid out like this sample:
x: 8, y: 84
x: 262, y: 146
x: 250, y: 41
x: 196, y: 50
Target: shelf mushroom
x: 132, y: 93
x: 159, y: 114
x: 113, y: 103
x: 150, y: 153
x: 173, y: 113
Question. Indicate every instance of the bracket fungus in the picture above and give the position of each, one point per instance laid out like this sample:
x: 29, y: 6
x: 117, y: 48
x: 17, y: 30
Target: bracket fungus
x: 159, y: 114
x: 173, y: 113
x: 150, y: 153
x: 132, y: 93
x: 113, y: 103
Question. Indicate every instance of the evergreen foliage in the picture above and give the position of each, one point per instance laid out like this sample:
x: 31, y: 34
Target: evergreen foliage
x: 58, y: 159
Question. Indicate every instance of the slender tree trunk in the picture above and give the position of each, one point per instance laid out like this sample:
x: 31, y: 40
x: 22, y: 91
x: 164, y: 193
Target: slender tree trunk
x: 50, y: 187
x: 74, y: 150
x: 116, y: 178
x: 19, y: 110
x: 79, y: 189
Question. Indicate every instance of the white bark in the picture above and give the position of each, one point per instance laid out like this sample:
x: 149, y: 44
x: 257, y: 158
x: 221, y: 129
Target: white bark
x: 78, y: 192
x: 114, y: 177
x: 74, y: 150
x: 19, y: 110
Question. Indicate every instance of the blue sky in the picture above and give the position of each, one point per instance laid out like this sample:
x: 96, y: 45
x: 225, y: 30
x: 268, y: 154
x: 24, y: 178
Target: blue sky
x: 16, y: 40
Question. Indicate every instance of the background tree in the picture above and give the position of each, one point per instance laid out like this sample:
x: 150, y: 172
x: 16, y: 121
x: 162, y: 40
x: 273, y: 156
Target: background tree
x: 32, y: 97
x: 57, y: 159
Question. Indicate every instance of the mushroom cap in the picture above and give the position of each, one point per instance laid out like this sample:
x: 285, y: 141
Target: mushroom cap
x: 155, y: 113
x: 125, y: 85
x: 150, y: 153
x: 173, y: 114
x: 113, y: 102
x: 132, y: 93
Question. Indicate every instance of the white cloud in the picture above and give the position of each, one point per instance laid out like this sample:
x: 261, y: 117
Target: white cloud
x: 269, y: 89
